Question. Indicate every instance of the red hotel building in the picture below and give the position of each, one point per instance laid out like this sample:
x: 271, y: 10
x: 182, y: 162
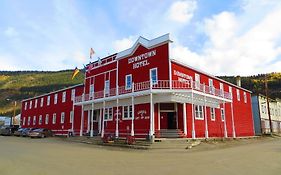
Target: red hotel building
x: 157, y: 96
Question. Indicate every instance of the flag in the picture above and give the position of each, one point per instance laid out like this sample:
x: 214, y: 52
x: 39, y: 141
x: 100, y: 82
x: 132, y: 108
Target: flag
x: 99, y: 61
x: 75, y: 72
x: 92, y: 52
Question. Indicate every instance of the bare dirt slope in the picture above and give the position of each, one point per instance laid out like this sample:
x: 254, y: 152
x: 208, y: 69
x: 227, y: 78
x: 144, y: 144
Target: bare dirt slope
x: 25, y: 156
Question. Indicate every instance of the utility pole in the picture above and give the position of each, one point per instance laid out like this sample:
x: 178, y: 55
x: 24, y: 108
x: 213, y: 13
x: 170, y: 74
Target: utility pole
x: 267, y: 101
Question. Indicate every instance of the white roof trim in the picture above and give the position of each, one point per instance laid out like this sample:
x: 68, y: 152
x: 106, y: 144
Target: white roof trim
x: 146, y: 43
x: 212, y: 76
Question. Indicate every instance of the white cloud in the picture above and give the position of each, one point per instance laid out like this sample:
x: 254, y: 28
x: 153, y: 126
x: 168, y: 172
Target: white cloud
x: 182, y: 11
x: 124, y: 43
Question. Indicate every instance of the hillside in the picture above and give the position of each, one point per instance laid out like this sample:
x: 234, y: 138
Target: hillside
x: 19, y: 85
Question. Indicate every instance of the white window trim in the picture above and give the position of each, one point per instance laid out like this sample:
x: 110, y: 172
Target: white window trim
x: 55, y: 98
x: 62, y: 116
x: 196, y: 117
x: 238, y: 95
x: 42, y: 102
x: 245, y: 97
x: 28, y: 120
x: 150, y: 76
x: 71, y: 117
x: 40, y: 120
x: 213, y: 119
x: 25, y: 106
x: 54, y: 117
x: 222, y: 112
x: 48, y: 100
x: 92, y: 90
x: 126, y: 82
x: 35, y: 103
x: 73, y: 91
x: 63, y: 99
x: 47, y: 119
x: 197, y: 82
x: 106, y: 90
x: 23, y: 121
x: 30, y: 104
x: 107, y: 112
x: 123, y: 113
x: 34, y: 120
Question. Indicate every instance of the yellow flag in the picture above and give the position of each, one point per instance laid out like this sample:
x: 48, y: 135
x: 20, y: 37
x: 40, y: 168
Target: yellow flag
x: 75, y: 72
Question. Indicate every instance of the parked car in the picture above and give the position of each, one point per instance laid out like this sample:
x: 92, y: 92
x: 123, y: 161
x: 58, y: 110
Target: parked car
x: 26, y: 131
x: 8, y: 130
x: 19, y: 132
x: 40, y: 133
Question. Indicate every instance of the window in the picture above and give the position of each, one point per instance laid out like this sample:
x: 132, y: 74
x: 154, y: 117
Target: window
x: 230, y: 91
x: 40, y: 120
x: 56, y: 99
x: 245, y: 97
x: 35, y: 105
x: 48, y: 100
x: 211, y: 85
x: 106, y: 87
x: 23, y: 122
x: 63, y: 96
x: 25, y: 105
x: 42, y: 102
x: 92, y: 90
x: 73, y: 94
x: 71, y: 117
x: 153, y: 76
x: 108, y: 114
x: 54, y: 118
x: 62, y: 116
x: 221, y: 89
x: 213, y: 113
x: 30, y: 104
x: 222, y: 114
x: 199, y: 112
x: 127, y: 112
x: 128, y: 82
x: 238, y: 94
x: 47, y: 119
x: 34, y: 120
x: 197, y: 81
x: 29, y: 118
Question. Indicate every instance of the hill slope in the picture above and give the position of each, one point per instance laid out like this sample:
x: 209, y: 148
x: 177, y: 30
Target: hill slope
x: 16, y: 86
x: 20, y: 85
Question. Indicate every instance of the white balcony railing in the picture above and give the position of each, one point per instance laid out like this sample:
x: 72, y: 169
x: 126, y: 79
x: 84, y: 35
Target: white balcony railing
x: 159, y: 84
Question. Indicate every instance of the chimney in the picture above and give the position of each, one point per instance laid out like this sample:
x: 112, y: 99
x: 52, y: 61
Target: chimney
x: 238, y: 81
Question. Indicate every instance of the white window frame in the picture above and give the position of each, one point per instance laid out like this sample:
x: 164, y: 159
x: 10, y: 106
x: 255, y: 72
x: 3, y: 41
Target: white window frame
x: 73, y: 94
x: 199, y: 113
x: 106, y: 86
x: 221, y: 89
x: 156, y: 76
x: 92, y: 90
x: 245, y: 97
x: 29, y: 120
x: 62, y: 117
x: 47, y: 119
x: 128, y: 84
x: 30, y: 104
x: 40, y: 120
x: 230, y: 91
x: 222, y: 114
x: 54, y: 119
x: 55, y: 98
x: 197, y: 81
x: 34, y: 120
x: 42, y: 102
x: 23, y: 121
x: 213, y: 114
x: 48, y: 100
x: 238, y: 94
x: 127, y: 113
x: 71, y: 117
x: 108, y: 114
x: 35, y: 103
x: 25, y: 105
x: 211, y: 85
x: 63, y: 96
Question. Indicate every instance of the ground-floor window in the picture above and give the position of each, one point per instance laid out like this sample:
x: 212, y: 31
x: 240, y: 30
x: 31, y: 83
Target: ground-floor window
x: 23, y: 122
x: 222, y: 114
x: 62, y: 116
x: 47, y: 119
x: 199, y: 112
x: 108, y: 114
x: 127, y: 112
x: 54, y: 118
x: 213, y: 113
x: 34, y: 120
x: 40, y: 120
x: 28, y: 120
x: 71, y: 116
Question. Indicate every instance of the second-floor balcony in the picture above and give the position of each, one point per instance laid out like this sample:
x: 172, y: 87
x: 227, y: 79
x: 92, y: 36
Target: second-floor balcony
x: 156, y: 87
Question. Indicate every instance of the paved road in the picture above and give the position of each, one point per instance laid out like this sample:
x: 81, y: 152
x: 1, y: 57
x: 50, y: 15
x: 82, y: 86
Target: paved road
x: 25, y: 156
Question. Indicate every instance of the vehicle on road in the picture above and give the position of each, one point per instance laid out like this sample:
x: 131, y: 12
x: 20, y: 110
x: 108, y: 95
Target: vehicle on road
x: 8, y: 130
x: 18, y: 132
x: 40, y: 133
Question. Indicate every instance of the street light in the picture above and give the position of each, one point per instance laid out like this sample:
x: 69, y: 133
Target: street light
x: 14, y: 109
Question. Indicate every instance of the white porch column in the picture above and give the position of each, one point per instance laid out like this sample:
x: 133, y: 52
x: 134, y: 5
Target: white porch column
x: 117, y: 119
x: 133, y: 112
x: 102, y: 129
x: 92, y: 121
x: 184, y: 119
x: 82, y: 121
x: 192, y: 115
x: 100, y: 116
x: 151, y: 116
x: 205, y: 116
x: 225, y: 129
x: 232, y: 118
x: 72, y: 122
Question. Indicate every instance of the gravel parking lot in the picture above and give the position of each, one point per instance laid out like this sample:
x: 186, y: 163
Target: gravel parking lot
x: 25, y: 156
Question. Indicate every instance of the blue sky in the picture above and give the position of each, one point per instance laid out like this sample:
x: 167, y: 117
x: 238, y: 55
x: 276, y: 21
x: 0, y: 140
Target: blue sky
x: 217, y: 36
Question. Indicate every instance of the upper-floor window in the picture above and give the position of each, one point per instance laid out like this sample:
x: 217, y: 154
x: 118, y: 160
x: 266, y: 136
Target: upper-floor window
x: 30, y: 104
x: 54, y: 118
x: 48, y: 100
x: 238, y: 94
x: 62, y: 117
x: 92, y: 90
x: 199, y: 112
x: 230, y: 91
x: 25, y: 105
x: 197, y: 81
x: 72, y: 94
x: 213, y: 113
x: 245, y: 97
x: 211, y: 85
x: 153, y: 76
x: 221, y: 89
x: 40, y: 120
x: 128, y: 82
x: 106, y: 87
x: 42, y: 102
x: 47, y: 119
x: 63, y: 96
x: 222, y: 114
x: 36, y: 101
x: 56, y: 99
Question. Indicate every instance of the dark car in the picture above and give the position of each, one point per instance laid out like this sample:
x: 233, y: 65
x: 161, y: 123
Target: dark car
x: 26, y: 131
x: 40, y: 133
x: 19, y: 132
x: 8, y: 130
